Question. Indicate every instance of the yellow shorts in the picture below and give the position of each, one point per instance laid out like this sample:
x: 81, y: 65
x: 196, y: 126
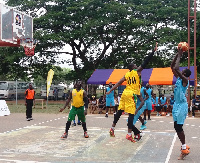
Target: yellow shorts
x: 128, y: 102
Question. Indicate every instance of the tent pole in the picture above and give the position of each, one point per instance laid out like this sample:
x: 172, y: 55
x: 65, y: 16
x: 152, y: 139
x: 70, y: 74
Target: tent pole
x: 87, y: 89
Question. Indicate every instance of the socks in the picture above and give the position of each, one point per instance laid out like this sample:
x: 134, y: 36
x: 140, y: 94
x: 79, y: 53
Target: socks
x: 113, y: 128
x: 129, y: 134
x: 184, y: 146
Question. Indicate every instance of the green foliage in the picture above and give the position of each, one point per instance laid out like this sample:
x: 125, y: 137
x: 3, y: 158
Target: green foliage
x: 106, y: 33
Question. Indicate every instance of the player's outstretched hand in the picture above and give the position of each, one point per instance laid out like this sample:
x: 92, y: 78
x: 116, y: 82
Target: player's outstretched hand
x: 61, y: 109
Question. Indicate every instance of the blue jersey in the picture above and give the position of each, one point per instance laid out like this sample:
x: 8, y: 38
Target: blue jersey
x: 163, y: 101
x: 180, y: 91
x: 180, y: 107
x: 155, y: 101
x: 111, y: 95
x: 171, y: 101
x: 143, y: 96
x: 149, y: 91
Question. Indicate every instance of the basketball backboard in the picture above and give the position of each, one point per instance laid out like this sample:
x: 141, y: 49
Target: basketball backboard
x: 15, y: 26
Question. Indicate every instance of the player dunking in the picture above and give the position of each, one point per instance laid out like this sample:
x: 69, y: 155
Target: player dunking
x: 129, y: 95
x: 180, y: 108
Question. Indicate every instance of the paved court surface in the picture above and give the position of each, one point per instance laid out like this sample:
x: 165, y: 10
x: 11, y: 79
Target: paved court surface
x: 39, y: 140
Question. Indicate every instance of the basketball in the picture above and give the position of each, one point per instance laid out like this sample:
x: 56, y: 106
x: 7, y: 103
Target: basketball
x: 184, y: 46
x: 163, y: 114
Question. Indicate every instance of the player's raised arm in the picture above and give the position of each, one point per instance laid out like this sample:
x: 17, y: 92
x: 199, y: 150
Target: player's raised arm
x: 177, y: 70
x: 173, y: 66
x: 146, y: 61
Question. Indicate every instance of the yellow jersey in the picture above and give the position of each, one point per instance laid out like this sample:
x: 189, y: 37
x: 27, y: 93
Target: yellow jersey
x: 77, y: 98
x: 133, y: 82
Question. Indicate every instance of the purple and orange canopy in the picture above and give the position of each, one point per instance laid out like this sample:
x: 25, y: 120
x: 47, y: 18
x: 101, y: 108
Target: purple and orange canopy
x: 153, y: 76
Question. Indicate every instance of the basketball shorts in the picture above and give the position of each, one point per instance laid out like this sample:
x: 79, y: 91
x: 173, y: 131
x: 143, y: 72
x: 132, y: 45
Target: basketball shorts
x: 110, y: 102
x: 180, y: 112
x: 77, y: 111
x: 128, y: 102
x: 148, y: 105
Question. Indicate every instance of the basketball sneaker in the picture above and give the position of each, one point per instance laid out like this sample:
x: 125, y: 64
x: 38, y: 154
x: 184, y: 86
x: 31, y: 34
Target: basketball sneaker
x: 130, y: 138
x: 137, y: 137
x: 185, y: 151
x: 64, y: 136
x: 112, y: 133
x: 73, y: 124
x: 106, y: 115
x: 79, y: 123
x: 142, y: 127
x: 86, y: 135
x: 187, y: 147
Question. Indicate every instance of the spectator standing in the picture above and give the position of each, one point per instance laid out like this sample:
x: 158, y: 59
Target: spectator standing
x: 29, y: 99
x: 110, y: 102
x: 55, y: 94
x: 65, y: 93
x: 102, y: 104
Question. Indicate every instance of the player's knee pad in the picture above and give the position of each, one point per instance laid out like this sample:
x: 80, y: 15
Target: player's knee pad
x: 178, y: 127
x: 130, y: 121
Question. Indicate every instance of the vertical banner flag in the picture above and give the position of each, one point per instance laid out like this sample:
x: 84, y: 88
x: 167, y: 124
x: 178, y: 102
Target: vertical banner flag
x: 49, y: 80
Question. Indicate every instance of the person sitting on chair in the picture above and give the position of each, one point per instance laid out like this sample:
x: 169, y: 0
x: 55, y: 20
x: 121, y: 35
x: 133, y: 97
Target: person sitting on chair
x: 170, y: 103
x: 195, y: 105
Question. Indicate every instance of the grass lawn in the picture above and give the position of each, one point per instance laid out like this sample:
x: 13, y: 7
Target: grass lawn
x: 51, y: 108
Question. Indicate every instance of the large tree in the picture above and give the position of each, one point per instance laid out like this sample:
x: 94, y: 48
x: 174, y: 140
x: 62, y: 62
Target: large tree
x: 106, y: 33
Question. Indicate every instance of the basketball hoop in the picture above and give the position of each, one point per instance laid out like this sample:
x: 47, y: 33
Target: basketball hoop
x: 29, y: 46
x: 29, y: 51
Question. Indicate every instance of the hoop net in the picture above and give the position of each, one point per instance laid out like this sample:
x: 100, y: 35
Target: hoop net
x: 29, y: 51
x: 29, y: 46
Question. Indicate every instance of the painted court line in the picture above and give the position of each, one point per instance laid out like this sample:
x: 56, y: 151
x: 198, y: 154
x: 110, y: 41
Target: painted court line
x: 32, y: 125
x: 171, y: 148
x: 20, y: 161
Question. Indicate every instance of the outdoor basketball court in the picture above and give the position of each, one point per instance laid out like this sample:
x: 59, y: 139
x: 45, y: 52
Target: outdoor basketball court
x: 39, y: 140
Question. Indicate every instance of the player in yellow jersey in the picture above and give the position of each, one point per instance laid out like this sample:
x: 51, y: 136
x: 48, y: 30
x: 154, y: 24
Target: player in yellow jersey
x: 129, y: 96
x: 79, y: 100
